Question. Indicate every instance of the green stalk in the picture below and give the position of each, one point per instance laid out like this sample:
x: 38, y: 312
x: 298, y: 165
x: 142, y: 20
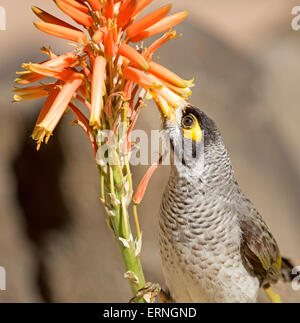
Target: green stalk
x: 116, y: 192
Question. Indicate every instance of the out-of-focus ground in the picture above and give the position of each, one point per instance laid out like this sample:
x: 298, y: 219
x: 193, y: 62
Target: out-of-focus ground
x: 54, y: 242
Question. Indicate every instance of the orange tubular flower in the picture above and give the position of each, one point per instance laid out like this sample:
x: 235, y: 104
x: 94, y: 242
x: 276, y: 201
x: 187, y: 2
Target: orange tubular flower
x: 158, y: 43
x: 140, y: 192
x: 109, y: 9
x: 95, y: 4
x: 110, y: 45
x: 148, y: 21
x: 164, y: 74
x: 184, y: 92
x: 173, y: 99
x: 135, y: 57
x: 30, y: 93
x: 138, y: 77
x: 28, y: 77
x: 62, y: 61
x: 163, y: 25
x: 98, y: 90
x: 46, y: 17
x: 127, y: 10
x: 156, y: 87
x: 61, y: 31
x: 54, y: 108
x: 163, y: 106
x: 141, y: 5
x: 79, y: 16
x: 78, y: 5
x: 60, y: 74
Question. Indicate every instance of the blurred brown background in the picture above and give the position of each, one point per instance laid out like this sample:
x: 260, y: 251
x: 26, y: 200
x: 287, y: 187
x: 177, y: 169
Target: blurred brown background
x: 54, y: 242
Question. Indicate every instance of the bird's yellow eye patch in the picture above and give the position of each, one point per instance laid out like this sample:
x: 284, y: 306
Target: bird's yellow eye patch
x: 191, y: 128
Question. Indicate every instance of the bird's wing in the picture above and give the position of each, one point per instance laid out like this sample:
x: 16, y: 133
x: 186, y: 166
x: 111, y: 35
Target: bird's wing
x: 259, y: 249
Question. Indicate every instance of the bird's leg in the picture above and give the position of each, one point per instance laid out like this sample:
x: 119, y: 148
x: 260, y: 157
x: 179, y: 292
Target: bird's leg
x: 165, y: 297
x: 149, y: 292
x: 273, y: 297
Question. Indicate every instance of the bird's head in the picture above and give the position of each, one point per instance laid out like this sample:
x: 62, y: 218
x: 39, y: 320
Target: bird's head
x: 192, y: 136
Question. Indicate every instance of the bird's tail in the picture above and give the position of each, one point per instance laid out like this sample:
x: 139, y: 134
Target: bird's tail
x: 287, y: 269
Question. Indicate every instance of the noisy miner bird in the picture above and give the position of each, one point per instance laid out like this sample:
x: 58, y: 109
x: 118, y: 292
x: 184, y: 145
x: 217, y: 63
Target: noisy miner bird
x: 214, y: 245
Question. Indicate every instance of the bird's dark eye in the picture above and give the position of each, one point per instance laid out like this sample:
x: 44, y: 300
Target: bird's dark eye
x: 188, y: 121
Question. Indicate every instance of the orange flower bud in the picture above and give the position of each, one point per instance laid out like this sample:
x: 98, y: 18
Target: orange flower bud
x: 140, y: 192
x: 109, y: 9
x: 79, y: 16
x: 134, y: 56
x: 148, y: 21
x: 98, y: 90
x: 78, y: 5
x: 110, y: 47
x: 126, y: 12
x: 142, y: 4
x: 95, y: 4
x: 61, y: 31
x: 163, y: 25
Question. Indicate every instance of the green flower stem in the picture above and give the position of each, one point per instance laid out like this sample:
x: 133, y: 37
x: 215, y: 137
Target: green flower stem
x: 116, y: 192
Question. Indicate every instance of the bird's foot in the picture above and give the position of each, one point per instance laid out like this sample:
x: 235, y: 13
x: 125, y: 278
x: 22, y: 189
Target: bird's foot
x: 273, y: 297
x: 149, y: 293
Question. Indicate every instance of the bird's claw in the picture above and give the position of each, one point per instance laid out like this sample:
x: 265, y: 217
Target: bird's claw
x: 149, y: 293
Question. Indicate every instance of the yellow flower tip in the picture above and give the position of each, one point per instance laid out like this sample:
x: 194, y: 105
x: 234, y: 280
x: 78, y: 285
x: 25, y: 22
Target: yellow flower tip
x: 39, y: 134
x: 35, y: 9
x: 48, y: 135
x: 164, y: 108
x: 17, y: 98
x: 18, y: 80
x: 94, y: 124
x: 190, y: 83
